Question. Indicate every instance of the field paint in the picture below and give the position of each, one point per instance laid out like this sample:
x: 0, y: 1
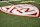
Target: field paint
x: 0, y: 9
x: 22, y: 10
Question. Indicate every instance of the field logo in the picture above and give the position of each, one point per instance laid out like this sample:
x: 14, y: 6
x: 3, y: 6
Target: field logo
x: 21, y: 10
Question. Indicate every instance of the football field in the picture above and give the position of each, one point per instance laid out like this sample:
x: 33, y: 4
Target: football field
x: 7, y: 20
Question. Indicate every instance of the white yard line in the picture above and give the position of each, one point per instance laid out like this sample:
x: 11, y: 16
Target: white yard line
x: 4, y: 1
x: 27, y: 1
x: 14, y: 0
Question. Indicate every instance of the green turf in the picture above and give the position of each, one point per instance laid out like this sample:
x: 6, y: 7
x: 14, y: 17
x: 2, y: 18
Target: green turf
x: 7, y: 20
x: 4, y: 4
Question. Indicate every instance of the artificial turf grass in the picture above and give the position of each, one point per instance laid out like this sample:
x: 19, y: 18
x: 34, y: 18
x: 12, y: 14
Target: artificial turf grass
x: 7, y: 20
x: 4, y: 4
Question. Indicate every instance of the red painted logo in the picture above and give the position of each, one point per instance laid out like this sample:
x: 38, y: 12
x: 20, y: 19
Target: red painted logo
x: 21, y: 10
